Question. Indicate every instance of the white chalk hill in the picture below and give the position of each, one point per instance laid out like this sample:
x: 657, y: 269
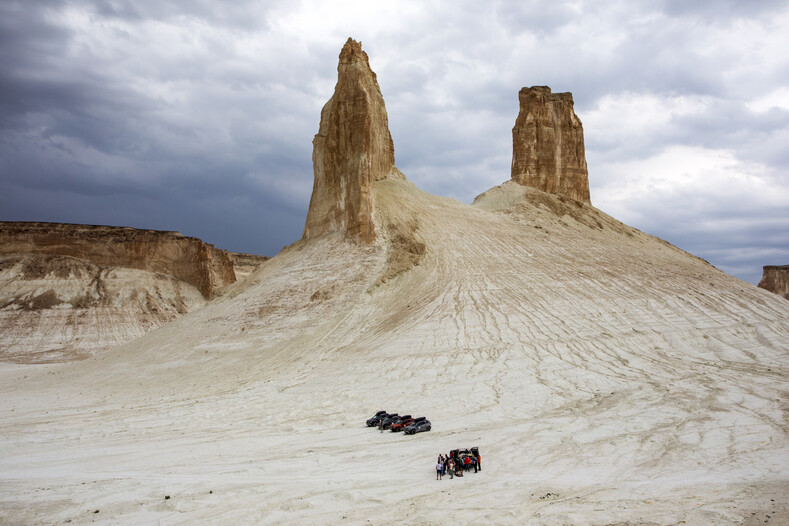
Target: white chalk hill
x: 606, y: 376
x: 586, y: 360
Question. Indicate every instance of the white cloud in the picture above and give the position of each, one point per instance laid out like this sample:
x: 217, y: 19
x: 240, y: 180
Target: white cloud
x: 630, y: 122
x: 776, y: 99
x: 731, y: 212
x: 707, y: 180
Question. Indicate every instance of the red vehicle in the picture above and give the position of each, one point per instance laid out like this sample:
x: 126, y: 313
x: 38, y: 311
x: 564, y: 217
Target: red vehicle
x: 401, y: 424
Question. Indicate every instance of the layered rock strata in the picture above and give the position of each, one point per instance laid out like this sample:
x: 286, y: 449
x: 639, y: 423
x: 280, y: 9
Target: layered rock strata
x: 548, y: 144
x: 57, y: 308
x: 352, y: 150
x: 185, y: 258
x: 776, y: 279
x: 245, y: 264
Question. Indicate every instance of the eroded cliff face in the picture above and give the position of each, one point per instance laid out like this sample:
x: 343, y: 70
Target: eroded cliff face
x: 352, y: 150
x: 185, y: 258
x: 776, y: 279
x: 56, y: 308
x: 245, y: 264
x: 548, y: 145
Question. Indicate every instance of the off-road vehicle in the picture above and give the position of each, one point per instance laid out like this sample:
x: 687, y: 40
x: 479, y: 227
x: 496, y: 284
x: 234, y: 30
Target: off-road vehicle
x: 372, y: 422
x: 401, y: 424
x: 418, y: 427
x: 387, y: 421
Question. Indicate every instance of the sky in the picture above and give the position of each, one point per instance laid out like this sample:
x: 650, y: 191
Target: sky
x: 198, y: 115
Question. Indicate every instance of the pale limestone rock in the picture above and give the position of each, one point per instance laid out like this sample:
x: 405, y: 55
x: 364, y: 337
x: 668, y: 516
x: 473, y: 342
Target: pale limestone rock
x: 352, y: 150
x: 68, y: 291
x: 57, y: 308
x: 245, y: 264
x: 548, y: 144
x: 185, y: 258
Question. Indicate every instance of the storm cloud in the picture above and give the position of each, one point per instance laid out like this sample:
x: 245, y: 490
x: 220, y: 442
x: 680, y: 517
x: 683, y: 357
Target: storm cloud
x: 198, y: 116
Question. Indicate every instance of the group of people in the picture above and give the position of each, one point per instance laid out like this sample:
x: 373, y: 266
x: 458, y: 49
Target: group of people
x: 456, y: 463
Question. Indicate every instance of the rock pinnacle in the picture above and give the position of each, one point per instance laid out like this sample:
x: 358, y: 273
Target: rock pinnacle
x: 352, y: 149
x: 548, y: 144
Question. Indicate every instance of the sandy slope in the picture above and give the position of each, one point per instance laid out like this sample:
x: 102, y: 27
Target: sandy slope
x: 606, y: 376
x: 56, y: 308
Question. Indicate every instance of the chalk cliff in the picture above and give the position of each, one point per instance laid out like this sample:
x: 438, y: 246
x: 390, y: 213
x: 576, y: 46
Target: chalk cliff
x: 776, y: 279
x: 185, y: 258
x: 68, y: 292
x: 245, y: 264
x: 548, y: 144
x: 352, y: 149
x: 57, y: 308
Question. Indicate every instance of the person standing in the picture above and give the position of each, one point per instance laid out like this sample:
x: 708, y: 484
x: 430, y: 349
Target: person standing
x: 451, y: 468
x: 439, y: 468
x: 479, y: 461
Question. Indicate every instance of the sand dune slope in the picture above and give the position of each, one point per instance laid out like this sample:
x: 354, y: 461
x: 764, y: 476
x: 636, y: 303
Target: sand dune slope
x: 606, y: 376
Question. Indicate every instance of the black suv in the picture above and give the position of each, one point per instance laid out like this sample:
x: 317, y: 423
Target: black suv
x: 372, y: 422
x: 388, y: 421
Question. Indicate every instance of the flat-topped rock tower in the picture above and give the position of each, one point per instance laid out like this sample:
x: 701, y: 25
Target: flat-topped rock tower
x: 775, y: 278
x: 548, y: 144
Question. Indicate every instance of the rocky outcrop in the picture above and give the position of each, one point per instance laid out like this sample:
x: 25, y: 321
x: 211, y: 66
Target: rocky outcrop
x: 352, y: 150
x: 548, y: 144
x: 245, y: 264
x: 185, y: 258
x: 57, y: 308
x: 776, y: 279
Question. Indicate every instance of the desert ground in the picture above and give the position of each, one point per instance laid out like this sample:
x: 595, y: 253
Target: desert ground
x: 606, y: 376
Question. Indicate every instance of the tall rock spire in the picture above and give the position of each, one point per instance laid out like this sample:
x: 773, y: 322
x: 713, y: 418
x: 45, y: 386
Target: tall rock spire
x: 548, y: 144
x: 352, y: 149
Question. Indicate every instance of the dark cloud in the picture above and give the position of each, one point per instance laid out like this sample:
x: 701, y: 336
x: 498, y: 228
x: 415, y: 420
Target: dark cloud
x: 249, y: 15
x: 723, y: 10
x: 542, y: 19
x: 198, y: 116
x: 727, y: 241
